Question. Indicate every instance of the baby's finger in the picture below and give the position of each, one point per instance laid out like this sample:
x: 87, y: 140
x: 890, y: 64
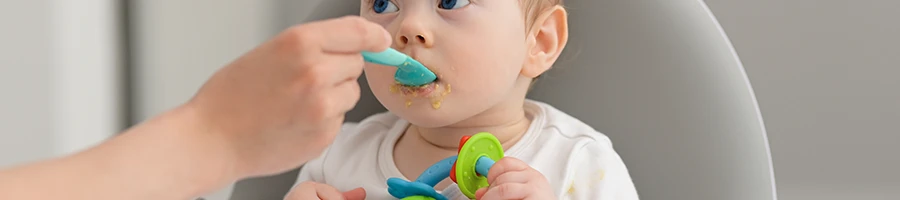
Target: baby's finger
x: 350, y: 34
x: 508, y: 191
x: 504, y: 165
x: 513, y: 177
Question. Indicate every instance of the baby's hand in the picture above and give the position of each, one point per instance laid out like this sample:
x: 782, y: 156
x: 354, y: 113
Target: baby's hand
x: 510, y: 178
x: 315, y: 191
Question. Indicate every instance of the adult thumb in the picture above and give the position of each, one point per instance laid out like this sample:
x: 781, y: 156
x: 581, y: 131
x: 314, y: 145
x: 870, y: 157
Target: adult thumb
x: 355, y: 194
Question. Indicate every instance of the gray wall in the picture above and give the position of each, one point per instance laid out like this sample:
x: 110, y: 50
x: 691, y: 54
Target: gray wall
x: 179, y: 44
x: 826, y: 77
x: 58, y: 77
x: 25, y: 82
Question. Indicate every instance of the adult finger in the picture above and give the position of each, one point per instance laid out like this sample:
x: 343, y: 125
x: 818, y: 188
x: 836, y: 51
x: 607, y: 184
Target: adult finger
x: 326, y: 192
x: 504, y: 165
x: 328, y: 103
x: 329, y: 127
x: 338, y: 68
x: 508, y: 191
x: 303, y: 191
x: 347, y: 95
x: 355, y: 194
x: 351, y: 34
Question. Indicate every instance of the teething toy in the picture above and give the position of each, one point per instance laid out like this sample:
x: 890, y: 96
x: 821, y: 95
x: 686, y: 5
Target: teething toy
x: 469, y: 169
x: 409, y: 71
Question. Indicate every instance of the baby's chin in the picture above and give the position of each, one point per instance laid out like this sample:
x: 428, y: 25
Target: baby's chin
x: 424, y: 113
x: 430, y: 105
x: 429, y: 120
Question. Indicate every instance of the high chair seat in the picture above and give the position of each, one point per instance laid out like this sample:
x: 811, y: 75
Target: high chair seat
x: 661, y: 79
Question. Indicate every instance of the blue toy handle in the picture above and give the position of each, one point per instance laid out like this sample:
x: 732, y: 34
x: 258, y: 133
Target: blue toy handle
x: 423, y: 185
x: 437, y: 172
x: 483, y: 165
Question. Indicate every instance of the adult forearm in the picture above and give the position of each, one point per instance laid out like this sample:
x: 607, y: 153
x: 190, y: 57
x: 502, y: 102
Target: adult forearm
x: 169, y: 157
x: 274, y: 108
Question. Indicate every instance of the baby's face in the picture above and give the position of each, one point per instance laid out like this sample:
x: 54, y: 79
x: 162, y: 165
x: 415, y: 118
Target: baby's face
x: 476, y: 47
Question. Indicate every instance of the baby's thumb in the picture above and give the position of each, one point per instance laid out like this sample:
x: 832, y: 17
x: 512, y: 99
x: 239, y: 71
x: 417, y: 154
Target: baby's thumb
x: 355, y: 194
x: 480, y: 193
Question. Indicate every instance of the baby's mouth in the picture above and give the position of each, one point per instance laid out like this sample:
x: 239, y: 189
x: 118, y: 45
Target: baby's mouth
x: 417, y: 91
x: 427, y: 90
x: 435, y: 91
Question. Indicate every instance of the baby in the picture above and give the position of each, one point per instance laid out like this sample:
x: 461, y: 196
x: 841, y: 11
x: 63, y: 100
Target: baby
x: 486, y: 54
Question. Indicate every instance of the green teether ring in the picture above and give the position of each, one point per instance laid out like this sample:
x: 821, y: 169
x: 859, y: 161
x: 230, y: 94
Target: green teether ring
x: 481, y: 144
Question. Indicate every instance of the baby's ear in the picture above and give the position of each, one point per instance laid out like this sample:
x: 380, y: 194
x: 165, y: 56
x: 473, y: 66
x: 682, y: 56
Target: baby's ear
x: 545, y: 41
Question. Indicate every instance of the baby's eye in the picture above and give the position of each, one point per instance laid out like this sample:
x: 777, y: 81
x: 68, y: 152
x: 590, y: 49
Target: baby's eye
x: 453, y: 4
x: 381, y: 6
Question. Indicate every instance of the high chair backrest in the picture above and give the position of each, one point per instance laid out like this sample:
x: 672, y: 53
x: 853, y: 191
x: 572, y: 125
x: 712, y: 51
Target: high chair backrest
x: 661, y: 79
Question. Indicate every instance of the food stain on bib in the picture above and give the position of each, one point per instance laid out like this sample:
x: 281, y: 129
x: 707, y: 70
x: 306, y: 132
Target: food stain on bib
x: 571, y: 188
x: 602, y: 174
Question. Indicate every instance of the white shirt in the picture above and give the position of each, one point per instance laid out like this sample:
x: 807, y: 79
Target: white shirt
x: 579, y: 162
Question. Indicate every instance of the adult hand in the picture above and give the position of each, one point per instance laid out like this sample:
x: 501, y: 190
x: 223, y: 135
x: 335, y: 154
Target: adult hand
x: 282, y: 103
x: 271, y: 110
x: 314, y: 191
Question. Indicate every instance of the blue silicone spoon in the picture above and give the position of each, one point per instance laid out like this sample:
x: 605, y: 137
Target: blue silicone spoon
x: 409, y: 72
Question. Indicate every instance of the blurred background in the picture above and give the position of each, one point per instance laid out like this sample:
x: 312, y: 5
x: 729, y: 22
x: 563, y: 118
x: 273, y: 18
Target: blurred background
x: 825, y: 72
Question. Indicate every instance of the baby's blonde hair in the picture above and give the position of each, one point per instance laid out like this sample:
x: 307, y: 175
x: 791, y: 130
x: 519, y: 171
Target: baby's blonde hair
x: 533, y: 9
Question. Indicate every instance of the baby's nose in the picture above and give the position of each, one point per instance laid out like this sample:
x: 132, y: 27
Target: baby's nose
x: 421, y: 39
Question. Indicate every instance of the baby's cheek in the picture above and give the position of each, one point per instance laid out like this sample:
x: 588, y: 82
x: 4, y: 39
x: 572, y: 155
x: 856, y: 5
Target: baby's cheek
x: 483, y: 92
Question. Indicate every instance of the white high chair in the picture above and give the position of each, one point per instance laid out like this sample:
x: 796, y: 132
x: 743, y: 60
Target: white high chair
x: 660, y: 78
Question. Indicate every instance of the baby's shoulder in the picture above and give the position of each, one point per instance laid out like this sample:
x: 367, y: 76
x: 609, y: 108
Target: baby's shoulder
x: 560, y: 127
x: 561, y: 140
x: 567, y: 141
x: 582, y: 164
x: 577, y: 158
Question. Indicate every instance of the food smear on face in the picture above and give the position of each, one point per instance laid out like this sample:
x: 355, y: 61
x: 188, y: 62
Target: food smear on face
x: 434, y: 91
x: 446, y: 91
x: 436, y: 103
x: 438, y: 100
x: 395, y: 88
